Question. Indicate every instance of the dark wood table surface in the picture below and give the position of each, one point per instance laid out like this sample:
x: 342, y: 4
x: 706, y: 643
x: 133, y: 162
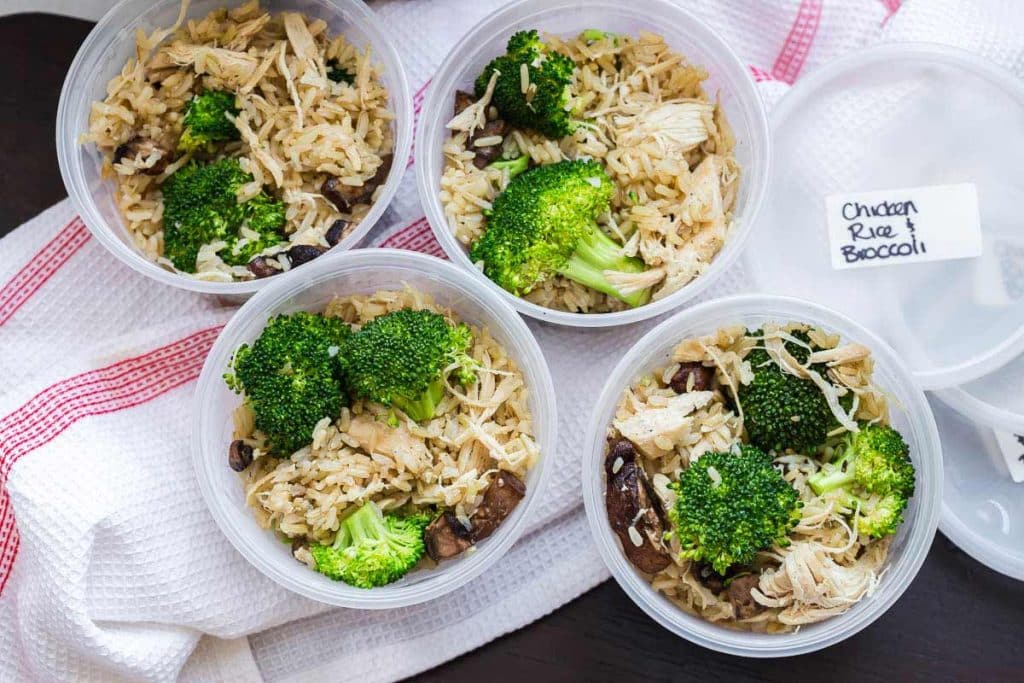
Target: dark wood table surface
x: 958, y: 621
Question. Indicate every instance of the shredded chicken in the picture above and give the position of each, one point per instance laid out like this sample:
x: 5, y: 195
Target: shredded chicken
x: 475, y: 115
x: 299, y: 36
x: 654, y: 430
x: 810, y: 585
x: 231, y: 66
x: 398, y: 442
x: 840, y: 355
x: 676, y: 127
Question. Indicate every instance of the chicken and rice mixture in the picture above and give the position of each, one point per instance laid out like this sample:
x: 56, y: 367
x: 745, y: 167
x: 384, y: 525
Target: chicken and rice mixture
x: 244, y: 143
x: 444, y: 476
x: 756, y: 479
x: 639, y: 110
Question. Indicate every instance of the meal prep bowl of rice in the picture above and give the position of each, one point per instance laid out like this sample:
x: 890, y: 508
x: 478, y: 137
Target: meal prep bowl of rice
x: 374, y: 431
x: 213, y: 144
x: 596, y: 163
x: 763, y: 475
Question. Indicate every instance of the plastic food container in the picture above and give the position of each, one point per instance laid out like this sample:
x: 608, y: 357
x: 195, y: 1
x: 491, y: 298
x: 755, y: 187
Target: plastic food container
x: 104, y: 52
x: 361, y: 271
x: 982, y: 507
x: 914, y: 421
x: 728, y: 78
x: 995, y: 400
x: 884, y: 119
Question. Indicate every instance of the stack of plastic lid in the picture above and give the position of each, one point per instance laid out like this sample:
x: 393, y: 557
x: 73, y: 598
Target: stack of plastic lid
x: 895, y: 199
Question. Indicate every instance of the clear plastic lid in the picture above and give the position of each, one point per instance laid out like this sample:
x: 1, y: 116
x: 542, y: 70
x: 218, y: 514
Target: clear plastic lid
x: 995, y: 400
x: 887, y: 119
x: 982, y: 506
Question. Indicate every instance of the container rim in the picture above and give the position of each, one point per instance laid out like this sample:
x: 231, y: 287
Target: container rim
x: 110, y: 29
x: 989, y: 553
x: 750, y: 103
x: 810, y: 638
x: 915, y: 51
x: 445, y: 578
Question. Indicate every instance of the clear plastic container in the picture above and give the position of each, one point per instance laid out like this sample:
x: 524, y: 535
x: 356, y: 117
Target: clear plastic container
x: 902, y: 116
x: 982, y: 507
x: 103, y: 54
x: 911, y: 415
x: 728, y: 78
x: 995, y: 400
x: 311, y: 288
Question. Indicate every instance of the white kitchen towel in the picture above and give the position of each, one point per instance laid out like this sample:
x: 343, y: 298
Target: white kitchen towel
x: 119, y: 573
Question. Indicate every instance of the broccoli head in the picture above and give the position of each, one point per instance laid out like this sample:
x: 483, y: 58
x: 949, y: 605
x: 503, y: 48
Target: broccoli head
x: 399, y: 359
x: 781, y: 410
x: 339, y: 74
x: 544, y: 223
x: 731, y: 505
x: 875, y: 474
x: 546, y: 110
x: 291, y: 377
x: 371, y: 548
x: 205, y: 122
x: 200, y: 207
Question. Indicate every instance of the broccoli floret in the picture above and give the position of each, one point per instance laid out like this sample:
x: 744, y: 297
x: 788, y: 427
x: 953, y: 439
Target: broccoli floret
x: 544, y: 223
x: 372, y: 549
x: 781, y: 410
x: 874, y: 473
x: 339, y: 74
x: 594, y: 34
x: 550, y: 74
x: 291, y: 377
x: 731, y: 505
x: 200, y: 207
x: 399, y: 359
x: 205, y: 121
x: 513, y: 166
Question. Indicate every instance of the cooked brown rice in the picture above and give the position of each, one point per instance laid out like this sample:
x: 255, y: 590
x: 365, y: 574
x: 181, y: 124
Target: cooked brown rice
x: 667, y: 148
x: 358, y: 457
x: 297, y: 126
x: 827, y: 568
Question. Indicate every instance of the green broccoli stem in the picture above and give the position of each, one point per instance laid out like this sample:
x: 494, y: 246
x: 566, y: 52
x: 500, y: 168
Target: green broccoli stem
x: 366, y: 522
x: 513, y: 166
x: 425, y: 405
x: 595, y: 253
x: 841, y: 477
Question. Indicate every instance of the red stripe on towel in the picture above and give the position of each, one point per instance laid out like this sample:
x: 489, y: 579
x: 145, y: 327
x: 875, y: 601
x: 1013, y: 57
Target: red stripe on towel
x: 119, y: 386
x: 417, y: 236
x: 798, y: 43
x: 41, y: 267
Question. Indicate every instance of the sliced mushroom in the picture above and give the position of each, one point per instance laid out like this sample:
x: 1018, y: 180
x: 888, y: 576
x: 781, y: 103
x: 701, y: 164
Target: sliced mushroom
x: 462, y: 100
x: 146, y: 155
x: 261, y: 267
x: 486, y: 155
x: 634, y: 511
x: 344, y: 196
x: 379, y: 178
x: 702, y: 377
x: 239, y: 455
x: 738, y: 593
x: 446, y: 537
x: 337, y: 231
x: 709, y: 578
x: 303, y: 253
x: 500, y: 499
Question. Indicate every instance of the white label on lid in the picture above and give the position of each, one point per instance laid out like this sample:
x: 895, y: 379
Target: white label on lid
x: 1012, y: 446
x: 910, y: 225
